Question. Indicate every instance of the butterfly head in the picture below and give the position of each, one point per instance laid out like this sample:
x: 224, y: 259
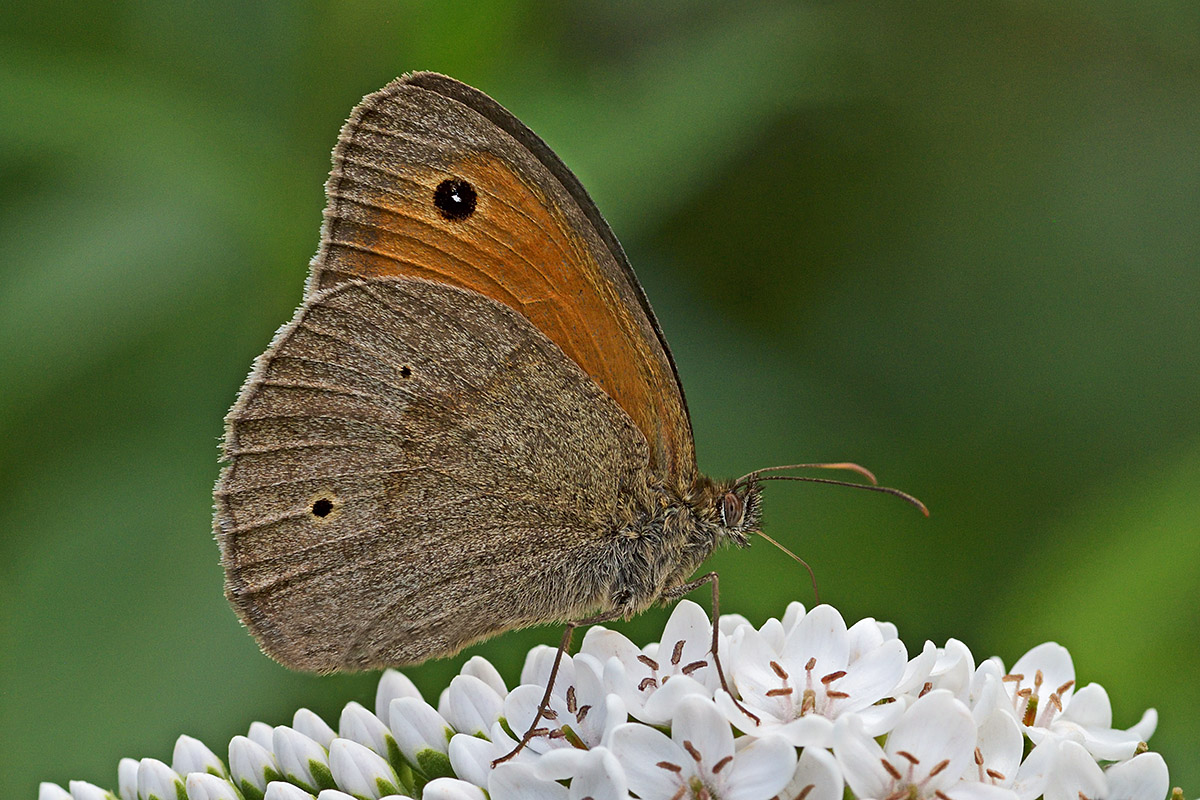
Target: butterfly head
x: 739, y: 511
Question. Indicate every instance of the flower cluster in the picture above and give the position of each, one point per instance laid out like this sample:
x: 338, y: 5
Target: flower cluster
x: 818, y: 708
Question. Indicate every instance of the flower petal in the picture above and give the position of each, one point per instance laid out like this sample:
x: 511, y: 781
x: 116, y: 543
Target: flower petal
x: 206, y: 786
x: 860, y: 758
x: 655, y: 766
x: 451, y: 789
x: 759, y: 771
x: 472, y: 706
x: 936, y: 727
x: 600, y: 778
x: 392, y: 685
x: 1143, y: 777
x: 361, y: 771
x: 510, y: 781
x: 1075, y: 774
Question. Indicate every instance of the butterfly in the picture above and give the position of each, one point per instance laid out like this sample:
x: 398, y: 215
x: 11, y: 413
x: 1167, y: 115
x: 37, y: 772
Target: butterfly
x: 473, y: 423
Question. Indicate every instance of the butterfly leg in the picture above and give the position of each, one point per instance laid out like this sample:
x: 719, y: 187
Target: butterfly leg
x: 544, y: 706
x: 680, y: 591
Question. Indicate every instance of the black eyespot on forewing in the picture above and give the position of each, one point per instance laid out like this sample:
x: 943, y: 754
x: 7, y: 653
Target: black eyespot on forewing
x: 322, y: 507
x: 455, y: 199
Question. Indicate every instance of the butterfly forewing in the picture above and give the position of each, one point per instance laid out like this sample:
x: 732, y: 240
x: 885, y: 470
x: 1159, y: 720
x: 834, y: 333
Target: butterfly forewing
x: 413, y: 467
x: 531, y: 240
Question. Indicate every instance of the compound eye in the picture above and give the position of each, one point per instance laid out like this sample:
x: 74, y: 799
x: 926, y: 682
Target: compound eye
x: 732, y: 509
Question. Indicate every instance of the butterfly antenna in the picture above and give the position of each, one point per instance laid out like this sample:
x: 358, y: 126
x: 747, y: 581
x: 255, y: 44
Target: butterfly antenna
x: 812, y: 575
x: 905, y: 496
x: 847, y: 465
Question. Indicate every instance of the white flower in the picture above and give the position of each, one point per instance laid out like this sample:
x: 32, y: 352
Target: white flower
x: 360, y: 771
x: 817, y: 777
x: 334, y: 794
x: 581, y: 713
x: 422, y: 735
x: 997, y: 751
x: 451, y: 789
x: 127, y: 776
x: 470, y: 705
x: 82, y: 790
x: 206, y: 786
x: 699, y: 757
x: 262, y: 735
x: 924, y: 756
x: 870, y: 724
x: 392, y: 685
x: 313, y: 727
x: 479, y: 667
x: 359, y: 725
x: 251, y: 766
x: 191, y: 755
x: 279, y: 790
x: 599, y: 776
x: 52, y: 791
x: 1041, y: 688
x: 303, y: 761
x: 509, y: 781
x: 157, y: 781
x: 1143, y: 777
x: 638, y: 673
x: 800, y: 688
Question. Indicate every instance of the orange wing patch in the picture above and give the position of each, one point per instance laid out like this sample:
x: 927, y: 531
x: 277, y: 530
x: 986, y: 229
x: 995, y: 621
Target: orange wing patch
x: 516, y: 248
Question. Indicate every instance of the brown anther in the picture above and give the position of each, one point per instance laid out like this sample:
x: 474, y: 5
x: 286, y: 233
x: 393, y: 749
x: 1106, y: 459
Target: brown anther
x: 779, y: 670
x: 720, y: 765
x: 805, y: 792
x: 909, y: 757
x: 557, y: 733
x: 648, y: 661
x: 667, y: 765
x: 692, y: 751
x: 978, y: 757
x: 784, y: 692
x: 833, y: 676
x: 1064, y: 687
x: 1013, y: 677
x: 926, y: 689
x: 808, y: 702
x: 836, y: 695
x: 1055, y: 701
x: 549, y: 713
x: 582, y: 713
x: 887, y: 765
x: 677, y: 653
x: 1083, y: 796
x: 995, y: 775
x: 1038, y: 678
x: 811, y: 665
x: 1026, y: 692
x: 692, y: 667
x: 571, y: 702
x: 539, y: 732
x: 646, y: 684
x: 941, y: 765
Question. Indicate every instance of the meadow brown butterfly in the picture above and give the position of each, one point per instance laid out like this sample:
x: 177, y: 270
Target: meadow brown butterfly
x: 473, y: 423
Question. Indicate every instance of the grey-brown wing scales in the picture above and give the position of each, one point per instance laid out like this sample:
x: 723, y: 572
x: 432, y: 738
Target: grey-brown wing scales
x: 414, y: 467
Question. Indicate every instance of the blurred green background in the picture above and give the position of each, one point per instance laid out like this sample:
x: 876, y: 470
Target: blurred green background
x: 959, y: 243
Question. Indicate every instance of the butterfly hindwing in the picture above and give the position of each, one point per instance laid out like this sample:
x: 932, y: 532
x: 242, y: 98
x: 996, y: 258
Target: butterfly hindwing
x: 413, y: 467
